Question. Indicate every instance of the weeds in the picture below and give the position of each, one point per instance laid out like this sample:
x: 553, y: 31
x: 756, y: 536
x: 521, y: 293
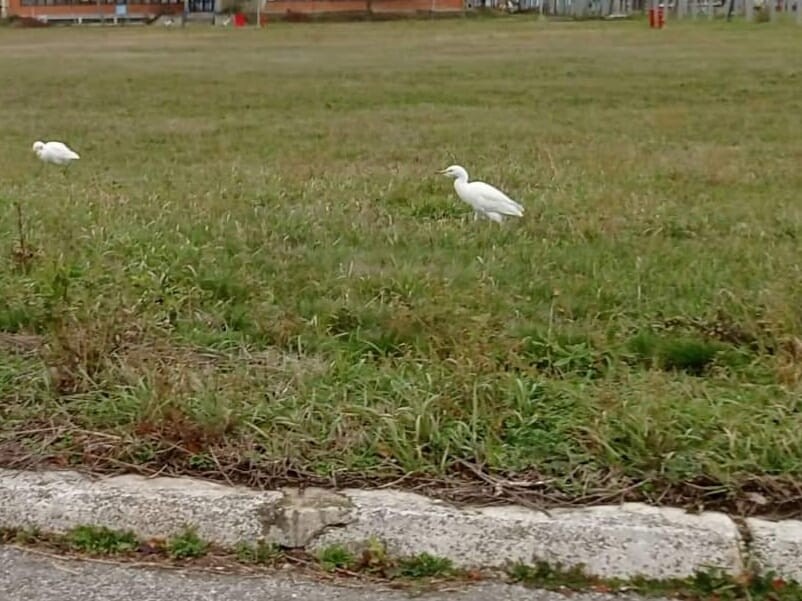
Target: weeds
x: 375, y: 562
x: 261, y: 553
x: 22, y: 254
x: 690, y: 355
x: 187, y: 545
x: 375, y: 559
x: 100, y: 540
x: 712, y: 585
x: 547, y: 576
x: 335, y: 557
x: 425, y: 566
x: 23, y: 536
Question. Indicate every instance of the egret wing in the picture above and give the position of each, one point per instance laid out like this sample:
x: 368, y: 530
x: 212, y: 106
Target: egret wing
x: 493, y: 200
x: 60, y: 149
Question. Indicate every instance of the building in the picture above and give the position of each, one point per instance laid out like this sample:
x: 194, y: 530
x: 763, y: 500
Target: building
x: 80, y: 11
x: 101, y: 10
x: 298, y: 9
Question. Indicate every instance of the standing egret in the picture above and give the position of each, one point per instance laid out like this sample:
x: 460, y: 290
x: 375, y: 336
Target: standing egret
x: 56, y: 153
x: 484, y: 198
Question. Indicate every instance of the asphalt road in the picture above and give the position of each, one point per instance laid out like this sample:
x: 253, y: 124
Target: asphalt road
x: 26, y: 576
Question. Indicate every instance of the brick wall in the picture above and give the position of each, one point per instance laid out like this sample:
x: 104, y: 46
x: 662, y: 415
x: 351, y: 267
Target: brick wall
x: 270, y: 7
x: 15, y: 8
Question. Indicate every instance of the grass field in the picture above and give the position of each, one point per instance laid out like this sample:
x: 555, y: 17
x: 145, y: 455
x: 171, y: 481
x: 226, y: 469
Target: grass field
x: 254, y: 272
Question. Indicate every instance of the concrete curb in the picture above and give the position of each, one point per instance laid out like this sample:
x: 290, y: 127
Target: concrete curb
x: 777, y: 547
x: 614, y: 541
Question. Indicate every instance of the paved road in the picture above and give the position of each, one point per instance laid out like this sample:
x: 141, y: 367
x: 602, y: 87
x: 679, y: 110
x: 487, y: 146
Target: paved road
x: 27, y: 576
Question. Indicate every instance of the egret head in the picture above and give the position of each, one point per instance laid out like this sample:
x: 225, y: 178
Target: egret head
x: 38, y: 146
x: 455, y: 172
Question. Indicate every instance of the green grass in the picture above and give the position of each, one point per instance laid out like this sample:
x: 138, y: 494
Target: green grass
x: 712, y: 585
x: 335, y: 556
x: 425, y: 566
x: 546, y: 576
x: 99, y: 540
x: 254, y: 270
x: 261, y: 553
x: 186, y: 545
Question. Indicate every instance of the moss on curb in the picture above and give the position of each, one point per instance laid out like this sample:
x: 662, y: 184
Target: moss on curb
x: 712, y: 585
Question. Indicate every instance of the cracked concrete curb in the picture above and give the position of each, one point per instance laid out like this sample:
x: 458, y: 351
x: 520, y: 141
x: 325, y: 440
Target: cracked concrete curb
x: 615, y: 541
x: 611, y: 541
x: 777, y: 547
x: 54, y: 502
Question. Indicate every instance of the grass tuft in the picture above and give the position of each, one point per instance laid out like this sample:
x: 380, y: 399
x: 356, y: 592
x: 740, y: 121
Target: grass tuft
x: 548, y: 576
x: 23, y: 536
x: 187, y: 545
x: 98, y: 540
x: 425, y: 566
x: 689, y: 355
x: 336, y: 557
x: 261, y: 553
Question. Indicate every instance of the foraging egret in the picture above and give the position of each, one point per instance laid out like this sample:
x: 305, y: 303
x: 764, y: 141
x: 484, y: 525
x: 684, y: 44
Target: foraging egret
x: 56, y: 153
x: 484, y: 198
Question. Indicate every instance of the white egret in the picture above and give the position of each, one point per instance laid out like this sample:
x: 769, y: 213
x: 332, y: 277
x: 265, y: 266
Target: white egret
x: 56, y: 153
x: 486, y: 200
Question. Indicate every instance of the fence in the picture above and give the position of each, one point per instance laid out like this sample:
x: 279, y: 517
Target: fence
x: 578, y: 8
x: 676, y: 9
x: 751, y: 10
